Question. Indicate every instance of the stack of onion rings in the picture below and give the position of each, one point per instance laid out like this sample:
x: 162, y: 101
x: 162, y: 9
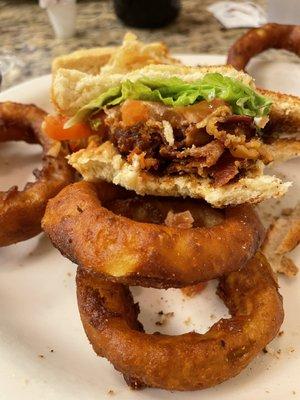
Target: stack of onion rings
x: 21, y: 211
x: 257, y: 40
x: 119, y: 239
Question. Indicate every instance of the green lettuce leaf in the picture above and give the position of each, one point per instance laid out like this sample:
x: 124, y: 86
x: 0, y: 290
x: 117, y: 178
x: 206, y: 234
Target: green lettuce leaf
x: 177, y: 93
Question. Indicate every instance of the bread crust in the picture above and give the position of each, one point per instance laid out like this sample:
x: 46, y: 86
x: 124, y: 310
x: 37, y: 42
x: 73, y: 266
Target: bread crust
x: 89, y: 61
x: 284, y: 149
x: 21, y: 211
x: 285, y: 112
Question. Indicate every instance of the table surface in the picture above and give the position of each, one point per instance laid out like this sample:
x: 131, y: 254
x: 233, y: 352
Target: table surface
x: 26, y: 32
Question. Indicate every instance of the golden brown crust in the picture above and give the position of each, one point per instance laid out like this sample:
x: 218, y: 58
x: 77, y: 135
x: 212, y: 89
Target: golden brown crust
x: 190, y: 361
x: 132, y: 54
x: 283, y: 149
x: 142, y: 253
x: 194, y: 290
x: 85, y: 60
x: 284, y: 113
x: 257, y: 40
x: 21, y: 211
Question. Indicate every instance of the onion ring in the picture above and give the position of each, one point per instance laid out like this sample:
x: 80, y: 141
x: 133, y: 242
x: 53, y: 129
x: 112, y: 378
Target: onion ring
x: 21, y: 211
x: 257, y: 40
x: 139, y: 250
x: 190, y: 361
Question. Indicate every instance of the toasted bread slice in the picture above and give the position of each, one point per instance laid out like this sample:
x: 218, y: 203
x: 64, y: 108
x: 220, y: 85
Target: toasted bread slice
x: 89, y: 61
x: 104, y: 162
x: 133, y: 54
x: 284, y: 149
x: 285, y: 112
x: 72, y: 89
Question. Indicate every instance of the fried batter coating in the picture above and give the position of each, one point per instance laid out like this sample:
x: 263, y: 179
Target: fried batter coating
x: 21, y: 211
x: 257, y: 40
x: 190, y: 361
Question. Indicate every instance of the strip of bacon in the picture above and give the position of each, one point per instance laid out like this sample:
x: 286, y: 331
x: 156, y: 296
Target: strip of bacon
x: 183, y: 220
x: 225, y: 170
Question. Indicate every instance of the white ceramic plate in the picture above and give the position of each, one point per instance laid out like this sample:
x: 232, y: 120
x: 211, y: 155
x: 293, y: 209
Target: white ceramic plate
x: 44, y: 353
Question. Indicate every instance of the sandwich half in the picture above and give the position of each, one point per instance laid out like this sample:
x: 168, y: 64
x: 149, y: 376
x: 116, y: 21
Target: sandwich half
x: 171, y: 130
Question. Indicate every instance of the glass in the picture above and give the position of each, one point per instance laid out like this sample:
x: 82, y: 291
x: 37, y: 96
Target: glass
x: 145, y: 13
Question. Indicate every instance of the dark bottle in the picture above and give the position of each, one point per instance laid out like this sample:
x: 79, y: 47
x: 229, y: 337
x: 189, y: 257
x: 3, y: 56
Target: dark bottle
x: 147, y: 13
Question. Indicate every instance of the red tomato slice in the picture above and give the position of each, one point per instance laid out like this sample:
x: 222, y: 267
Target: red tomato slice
x: 54, y: 128
x: 133, y: 112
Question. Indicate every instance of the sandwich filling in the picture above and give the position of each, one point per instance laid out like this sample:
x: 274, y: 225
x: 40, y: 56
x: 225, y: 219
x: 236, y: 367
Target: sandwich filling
x: 210, y: 128
x: 205, y: 139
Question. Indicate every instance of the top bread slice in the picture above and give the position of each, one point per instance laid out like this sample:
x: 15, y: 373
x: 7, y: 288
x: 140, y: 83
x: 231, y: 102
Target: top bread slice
x: 72, y: 89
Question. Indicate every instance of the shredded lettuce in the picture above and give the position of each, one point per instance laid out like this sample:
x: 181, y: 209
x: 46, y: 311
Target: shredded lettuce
x: 177, y: 93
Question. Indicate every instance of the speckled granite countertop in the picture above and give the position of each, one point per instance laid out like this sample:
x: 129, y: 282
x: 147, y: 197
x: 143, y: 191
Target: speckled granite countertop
x: 26, y: 32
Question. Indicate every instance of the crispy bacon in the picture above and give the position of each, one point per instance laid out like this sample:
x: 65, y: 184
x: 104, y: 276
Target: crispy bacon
x: 193, y: 160
x: 171, y: 141
x: 192, y: 291
x: 240, y: 118
x: 182, y: 167
x: 183, y: 220
x: 136, y: 138
x: 239, y: 125
x: 225, y: 170
x: 207, y: 155
x: 196, y: 136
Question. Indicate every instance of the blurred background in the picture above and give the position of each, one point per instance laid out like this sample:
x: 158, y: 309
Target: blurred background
x: 26, y: 32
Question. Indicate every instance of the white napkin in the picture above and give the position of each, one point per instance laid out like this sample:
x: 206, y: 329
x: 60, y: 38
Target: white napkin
x: 234, y: 14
